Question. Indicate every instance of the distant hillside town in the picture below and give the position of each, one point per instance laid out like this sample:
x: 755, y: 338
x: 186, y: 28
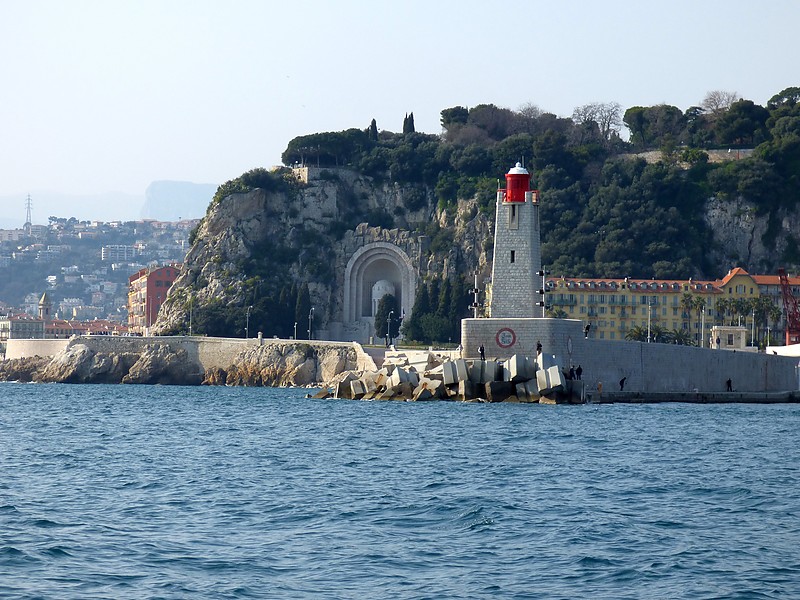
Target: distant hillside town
x: 71, y: 276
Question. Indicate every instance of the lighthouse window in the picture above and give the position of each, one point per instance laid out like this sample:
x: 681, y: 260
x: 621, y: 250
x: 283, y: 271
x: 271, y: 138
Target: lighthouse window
x: 513, y: 218
x: 512, y: 256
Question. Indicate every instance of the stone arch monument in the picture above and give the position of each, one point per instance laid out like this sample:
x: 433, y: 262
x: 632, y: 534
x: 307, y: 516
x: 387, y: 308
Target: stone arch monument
x: 375, y: 269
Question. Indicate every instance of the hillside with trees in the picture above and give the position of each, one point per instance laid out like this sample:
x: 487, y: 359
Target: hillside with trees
x: 606, y: 210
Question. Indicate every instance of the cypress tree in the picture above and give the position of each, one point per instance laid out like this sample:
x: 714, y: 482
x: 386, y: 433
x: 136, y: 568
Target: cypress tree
x: 412, y: 327
x: 372, y: 132
x: 302, y: 308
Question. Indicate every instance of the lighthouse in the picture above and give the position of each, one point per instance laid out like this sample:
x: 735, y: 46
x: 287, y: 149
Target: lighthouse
x: 517, y: 248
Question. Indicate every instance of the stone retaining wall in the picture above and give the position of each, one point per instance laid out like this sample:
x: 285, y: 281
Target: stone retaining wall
x: 647, y: 367
x: 28, y: 348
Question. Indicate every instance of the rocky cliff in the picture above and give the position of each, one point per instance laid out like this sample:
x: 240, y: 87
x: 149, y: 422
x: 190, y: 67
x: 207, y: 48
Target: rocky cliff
x: 310, y: 233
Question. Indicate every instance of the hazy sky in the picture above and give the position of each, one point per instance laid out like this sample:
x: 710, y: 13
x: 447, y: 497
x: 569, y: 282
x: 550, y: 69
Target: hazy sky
x: 105, y: 95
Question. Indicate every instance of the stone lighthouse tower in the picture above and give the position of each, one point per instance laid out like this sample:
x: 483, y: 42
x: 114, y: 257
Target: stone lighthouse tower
x: 517, y: 248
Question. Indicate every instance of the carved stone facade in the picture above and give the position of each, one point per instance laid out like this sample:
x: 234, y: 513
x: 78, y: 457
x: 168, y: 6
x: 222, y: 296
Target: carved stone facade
x: 372, y: 262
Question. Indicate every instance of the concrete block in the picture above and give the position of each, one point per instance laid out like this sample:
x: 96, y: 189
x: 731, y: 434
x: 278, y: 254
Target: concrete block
x: 462, y: 372
x: 357, y: 389
x: 422, y: 393
x: 343, y: 389
x: 490, y: 371
x: 530, y: 368
x: 387, y: 394
x: 465, y: 390
x: 545, y: 361
x: 498, y: 391
x: 368, y: 379
x: 449, y: 373
x: 476, y: 372
x: 549, y: 380
x: 556, y: 377
x: 516, y: 369
x: 542, y: 381
x: 525, y: 391
x: 405, y: 390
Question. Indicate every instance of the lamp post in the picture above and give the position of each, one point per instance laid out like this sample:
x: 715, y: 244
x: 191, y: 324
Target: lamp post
x: 311, y: 324
x: 475, y: 305
x: 191, y: 303
x: 295, y: 330
x: 703, y: 328
x: 649, y: 312
x: 753, y: 329
x: 543, y: 302
x: 389, y: 326
x: 247, y: 323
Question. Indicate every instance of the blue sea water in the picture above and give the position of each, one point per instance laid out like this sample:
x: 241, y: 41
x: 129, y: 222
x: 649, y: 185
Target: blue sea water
x: 174, y: 492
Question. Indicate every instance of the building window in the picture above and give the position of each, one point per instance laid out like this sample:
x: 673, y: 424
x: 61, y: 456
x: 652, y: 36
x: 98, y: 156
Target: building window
x: 512, y: 255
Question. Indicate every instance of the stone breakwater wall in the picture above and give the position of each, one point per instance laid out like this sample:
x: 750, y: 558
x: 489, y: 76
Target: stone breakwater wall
x: 648, y: 368
x: 190, y: 361
x: 16, y: 348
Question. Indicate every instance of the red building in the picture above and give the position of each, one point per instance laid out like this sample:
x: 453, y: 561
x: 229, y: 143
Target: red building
x: 147, y: 292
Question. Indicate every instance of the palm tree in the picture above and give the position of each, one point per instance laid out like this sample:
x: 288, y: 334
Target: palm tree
x: 744, y: 306
x: 636, y: 334
x: 687, y: 304
x: 775, y: 315
x: 681, y: 337
x: 723, y: 306
x: 700, y: 306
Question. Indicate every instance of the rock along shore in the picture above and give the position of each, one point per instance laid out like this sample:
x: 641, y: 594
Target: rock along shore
x: 187, y: 361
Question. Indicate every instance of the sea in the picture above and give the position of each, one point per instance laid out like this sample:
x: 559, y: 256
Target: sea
x: 215, y: 492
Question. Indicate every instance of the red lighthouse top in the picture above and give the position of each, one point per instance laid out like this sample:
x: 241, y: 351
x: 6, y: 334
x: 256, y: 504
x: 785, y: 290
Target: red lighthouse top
x: 518, y: 181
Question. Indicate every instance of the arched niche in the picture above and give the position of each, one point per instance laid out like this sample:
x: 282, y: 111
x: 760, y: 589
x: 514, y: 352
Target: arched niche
x: 369, y: 265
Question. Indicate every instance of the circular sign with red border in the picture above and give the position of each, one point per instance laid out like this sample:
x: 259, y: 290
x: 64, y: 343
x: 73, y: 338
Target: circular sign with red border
x: 506, y: 337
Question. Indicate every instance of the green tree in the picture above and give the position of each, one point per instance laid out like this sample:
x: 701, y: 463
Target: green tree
x: 787, y: 97
x: 636, y: 333
x: 687, y: 304
x: 454, y: 116
x: 412, y: 325
x: 408, y: 123
x: 387, y: 307
x: 372, y: 132
x: 743, y: 124
x: 302, y: 307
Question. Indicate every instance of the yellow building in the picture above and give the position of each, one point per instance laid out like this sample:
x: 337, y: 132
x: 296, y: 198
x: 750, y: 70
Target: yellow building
x: 618, y: 309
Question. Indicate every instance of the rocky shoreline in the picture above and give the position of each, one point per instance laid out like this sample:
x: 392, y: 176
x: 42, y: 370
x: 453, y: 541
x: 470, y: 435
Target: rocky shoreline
x: 277, y: 364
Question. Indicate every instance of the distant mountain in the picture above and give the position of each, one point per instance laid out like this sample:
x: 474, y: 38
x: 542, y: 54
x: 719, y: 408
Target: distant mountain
x: 176, y: 200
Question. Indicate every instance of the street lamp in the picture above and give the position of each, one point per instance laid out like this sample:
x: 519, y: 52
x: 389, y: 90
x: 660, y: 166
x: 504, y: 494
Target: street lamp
x: 247, y: 323
x: 311, y: 323
x: 543, y: 302
x: 475, y: 305
x: 389, y: 327
x: 295, y: 330
x: 753, y: 329
x: 649, y: 313
x: 703, y: 329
